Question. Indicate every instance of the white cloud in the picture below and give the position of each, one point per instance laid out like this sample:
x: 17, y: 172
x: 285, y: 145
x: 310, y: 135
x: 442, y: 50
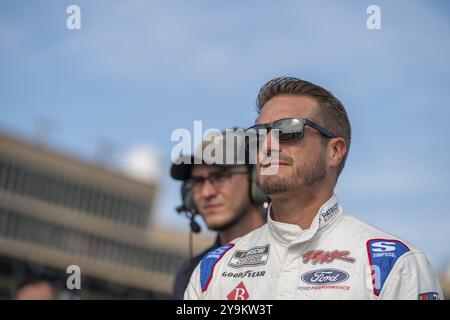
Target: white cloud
x: 142, y: 162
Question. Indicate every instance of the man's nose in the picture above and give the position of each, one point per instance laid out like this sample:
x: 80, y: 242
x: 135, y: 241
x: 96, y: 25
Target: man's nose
x: 208, y: 189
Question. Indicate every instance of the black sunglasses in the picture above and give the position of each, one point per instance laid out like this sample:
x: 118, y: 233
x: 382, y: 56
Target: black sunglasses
x: 289, y: 130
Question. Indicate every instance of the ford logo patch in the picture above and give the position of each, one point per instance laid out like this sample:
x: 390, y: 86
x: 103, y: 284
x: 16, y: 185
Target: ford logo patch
x: 325, y: 276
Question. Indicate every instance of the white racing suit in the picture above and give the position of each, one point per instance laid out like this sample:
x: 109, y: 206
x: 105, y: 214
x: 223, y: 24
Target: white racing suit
x: 338, y: 257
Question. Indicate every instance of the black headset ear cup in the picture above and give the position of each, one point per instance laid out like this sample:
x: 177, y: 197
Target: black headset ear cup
x: 256, y: 195
x: 187, y: 197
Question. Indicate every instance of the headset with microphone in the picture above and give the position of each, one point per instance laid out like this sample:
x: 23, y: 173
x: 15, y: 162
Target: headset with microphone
x: 188, y: 207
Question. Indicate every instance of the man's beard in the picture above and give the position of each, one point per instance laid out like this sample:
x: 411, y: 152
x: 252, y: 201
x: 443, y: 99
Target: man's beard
x: 302, y: 177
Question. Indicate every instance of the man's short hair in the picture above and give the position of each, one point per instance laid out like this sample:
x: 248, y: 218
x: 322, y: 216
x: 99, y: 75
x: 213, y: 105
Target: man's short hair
x: 331, y: 113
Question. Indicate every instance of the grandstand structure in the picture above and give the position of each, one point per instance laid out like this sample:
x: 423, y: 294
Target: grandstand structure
x: 57, y: 211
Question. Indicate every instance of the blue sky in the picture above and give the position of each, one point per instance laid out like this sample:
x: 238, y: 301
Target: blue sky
x: 137, y: 70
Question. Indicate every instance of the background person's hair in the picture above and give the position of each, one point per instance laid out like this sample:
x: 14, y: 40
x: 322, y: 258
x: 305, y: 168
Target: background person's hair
x: 331, y: 114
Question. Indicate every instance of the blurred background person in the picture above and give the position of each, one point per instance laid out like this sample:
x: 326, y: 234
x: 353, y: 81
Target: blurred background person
x: 37, y: 282
x: 37, y: 290
x: 226, y: 197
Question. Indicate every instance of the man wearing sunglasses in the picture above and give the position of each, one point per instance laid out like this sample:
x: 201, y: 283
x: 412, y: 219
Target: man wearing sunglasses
x: 309, y: 248
x: 224, y: 194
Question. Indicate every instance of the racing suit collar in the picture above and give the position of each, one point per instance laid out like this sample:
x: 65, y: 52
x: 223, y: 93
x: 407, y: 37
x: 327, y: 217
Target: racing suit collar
x: 289, y: 234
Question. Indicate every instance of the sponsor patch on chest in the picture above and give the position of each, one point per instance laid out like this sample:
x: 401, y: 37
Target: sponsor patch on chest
x: 321, y: 256
x: 253, y: 257
x: 324, y: 279
x: 325, y: 276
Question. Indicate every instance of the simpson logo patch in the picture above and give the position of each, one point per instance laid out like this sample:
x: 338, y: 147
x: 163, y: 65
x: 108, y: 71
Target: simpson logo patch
x: 383, y: 253
x: 256, y: 256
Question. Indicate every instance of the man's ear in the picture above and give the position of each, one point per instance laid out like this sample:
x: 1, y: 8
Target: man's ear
x: 337, y: 148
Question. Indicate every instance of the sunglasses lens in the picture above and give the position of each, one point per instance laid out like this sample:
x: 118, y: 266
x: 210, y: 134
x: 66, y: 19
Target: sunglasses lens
x: 286, y: 130
x: 290, y: 130
x: 287, y: 137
